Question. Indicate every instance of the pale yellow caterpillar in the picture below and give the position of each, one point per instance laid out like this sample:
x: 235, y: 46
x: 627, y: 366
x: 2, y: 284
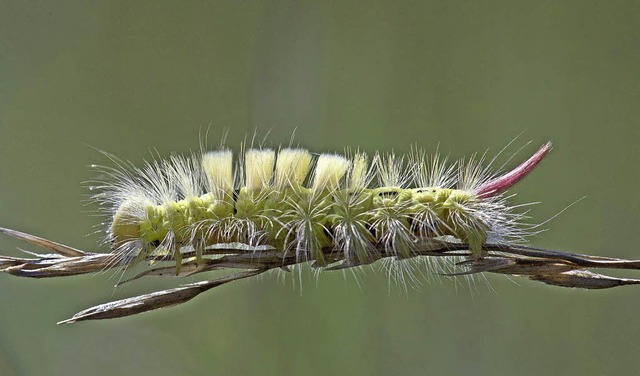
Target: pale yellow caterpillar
x: 263, y: 209
x: 303, y: 204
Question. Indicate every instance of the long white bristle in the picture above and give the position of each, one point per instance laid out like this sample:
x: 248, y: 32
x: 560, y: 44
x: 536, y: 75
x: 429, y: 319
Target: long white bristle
x: 391, y: 171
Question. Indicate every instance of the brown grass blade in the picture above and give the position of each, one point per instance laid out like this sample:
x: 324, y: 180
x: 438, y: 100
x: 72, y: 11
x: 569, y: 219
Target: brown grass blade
x: 547, y: 266
x: 154, y: 300
x: 58, y: 248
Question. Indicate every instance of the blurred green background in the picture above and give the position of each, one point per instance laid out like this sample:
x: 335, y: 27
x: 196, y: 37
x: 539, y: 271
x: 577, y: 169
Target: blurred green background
x: 470, y: 76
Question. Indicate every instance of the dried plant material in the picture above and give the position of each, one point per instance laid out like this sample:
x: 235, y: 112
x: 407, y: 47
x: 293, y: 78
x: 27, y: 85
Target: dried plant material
x: 551, y: 267
x: 154, y: 300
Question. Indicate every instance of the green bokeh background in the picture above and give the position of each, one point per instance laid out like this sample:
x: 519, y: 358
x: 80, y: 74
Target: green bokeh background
x: 469, y: 76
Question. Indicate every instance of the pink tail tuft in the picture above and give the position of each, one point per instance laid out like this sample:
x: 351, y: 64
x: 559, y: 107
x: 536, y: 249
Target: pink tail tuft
x: 506, y: 181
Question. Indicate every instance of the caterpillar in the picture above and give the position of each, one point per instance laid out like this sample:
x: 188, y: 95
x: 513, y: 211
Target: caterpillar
x: 301, y: 203
x: 269, y: 209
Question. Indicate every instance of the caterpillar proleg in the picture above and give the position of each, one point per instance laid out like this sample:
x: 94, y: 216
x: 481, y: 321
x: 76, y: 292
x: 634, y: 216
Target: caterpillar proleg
x: 264, y: 209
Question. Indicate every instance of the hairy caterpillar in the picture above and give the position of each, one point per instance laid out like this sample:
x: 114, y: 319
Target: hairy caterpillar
x: 300, y: 203
x: 273, y: 209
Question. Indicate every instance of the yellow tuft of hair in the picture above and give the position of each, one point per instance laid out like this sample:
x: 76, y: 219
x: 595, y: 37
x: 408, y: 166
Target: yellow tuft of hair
x: 259, y: 165
x: 292, y: 167
x: 330, y: 168
x: 218, y: 167
x: 359, y: 167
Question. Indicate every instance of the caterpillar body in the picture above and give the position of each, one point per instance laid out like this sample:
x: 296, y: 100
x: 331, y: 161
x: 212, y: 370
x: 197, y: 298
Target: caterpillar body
x: 307, y: 204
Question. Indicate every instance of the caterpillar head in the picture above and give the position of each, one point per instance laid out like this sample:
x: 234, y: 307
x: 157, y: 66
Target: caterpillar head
x: 125, y: 227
